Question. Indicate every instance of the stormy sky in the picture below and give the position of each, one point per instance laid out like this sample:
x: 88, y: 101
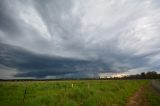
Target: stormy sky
x: 78, y: 38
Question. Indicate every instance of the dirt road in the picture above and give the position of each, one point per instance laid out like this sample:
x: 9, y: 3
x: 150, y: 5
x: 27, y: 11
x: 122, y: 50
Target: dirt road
x: 156, y: 85
x: 138, y: 99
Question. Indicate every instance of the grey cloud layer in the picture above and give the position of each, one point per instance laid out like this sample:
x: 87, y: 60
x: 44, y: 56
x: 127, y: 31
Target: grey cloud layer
x: 40, y: 66
x: 111, y: 35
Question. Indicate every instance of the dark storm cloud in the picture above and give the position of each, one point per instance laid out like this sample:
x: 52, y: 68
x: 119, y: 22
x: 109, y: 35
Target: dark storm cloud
x: 34, y: 65
x: 78, y: 38
x: 40, y: 66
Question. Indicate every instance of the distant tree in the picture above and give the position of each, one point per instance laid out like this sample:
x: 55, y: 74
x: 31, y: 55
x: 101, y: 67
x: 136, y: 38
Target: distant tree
x: 143, y: 75
x: 151, y: 75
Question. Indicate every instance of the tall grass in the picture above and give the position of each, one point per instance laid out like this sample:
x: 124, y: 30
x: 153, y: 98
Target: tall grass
x: 68, y: 93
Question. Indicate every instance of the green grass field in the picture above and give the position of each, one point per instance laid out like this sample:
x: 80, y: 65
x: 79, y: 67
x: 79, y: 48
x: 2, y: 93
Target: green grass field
x: 69, y: 93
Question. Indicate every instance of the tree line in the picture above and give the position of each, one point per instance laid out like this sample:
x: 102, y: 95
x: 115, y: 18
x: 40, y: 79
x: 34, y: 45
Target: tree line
x: 144, y: 75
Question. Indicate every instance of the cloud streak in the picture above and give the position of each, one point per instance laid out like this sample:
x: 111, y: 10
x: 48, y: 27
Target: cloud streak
x: 87, y: 37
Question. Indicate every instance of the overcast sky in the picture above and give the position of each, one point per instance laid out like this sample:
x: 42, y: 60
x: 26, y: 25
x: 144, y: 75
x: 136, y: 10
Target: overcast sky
x: 78, y: 38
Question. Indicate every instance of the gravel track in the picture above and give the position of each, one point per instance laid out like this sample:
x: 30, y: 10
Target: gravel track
x: 156, y: 85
